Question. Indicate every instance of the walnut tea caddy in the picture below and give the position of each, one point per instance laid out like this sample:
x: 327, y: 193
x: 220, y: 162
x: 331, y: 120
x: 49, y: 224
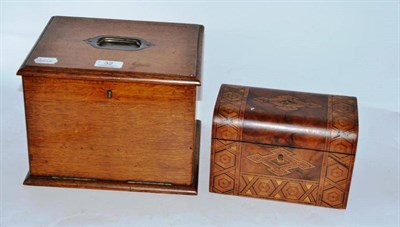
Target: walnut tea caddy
x: 111, y: 104
x: 283, y: 145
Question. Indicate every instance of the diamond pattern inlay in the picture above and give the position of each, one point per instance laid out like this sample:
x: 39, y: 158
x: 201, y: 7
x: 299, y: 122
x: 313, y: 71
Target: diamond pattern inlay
x: 280, y: 161
x: 287, y: 102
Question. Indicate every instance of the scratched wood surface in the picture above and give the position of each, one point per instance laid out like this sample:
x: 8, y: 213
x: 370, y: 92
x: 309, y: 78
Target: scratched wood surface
x: 175, y: 55
x: 74, y: 130
x: 283, y: 145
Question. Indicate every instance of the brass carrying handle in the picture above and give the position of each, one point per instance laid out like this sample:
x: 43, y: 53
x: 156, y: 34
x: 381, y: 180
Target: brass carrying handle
x: 118, y: 43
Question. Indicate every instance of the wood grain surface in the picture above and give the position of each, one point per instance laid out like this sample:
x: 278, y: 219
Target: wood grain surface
x: 145, y: 132
x: 175, y: 54
x: 287, y: 118
x: 130, y: 128
x: 124, y: 185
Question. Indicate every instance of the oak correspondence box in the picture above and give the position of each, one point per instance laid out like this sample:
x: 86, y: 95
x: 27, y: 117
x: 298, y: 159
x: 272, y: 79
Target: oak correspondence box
x: 111, y: 104
x: 283, y: 145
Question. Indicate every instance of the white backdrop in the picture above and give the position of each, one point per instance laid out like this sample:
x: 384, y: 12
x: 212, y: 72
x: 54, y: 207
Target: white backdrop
x: 338, y: 47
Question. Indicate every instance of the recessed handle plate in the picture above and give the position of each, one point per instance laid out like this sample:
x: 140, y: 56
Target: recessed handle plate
x: 118, y: 43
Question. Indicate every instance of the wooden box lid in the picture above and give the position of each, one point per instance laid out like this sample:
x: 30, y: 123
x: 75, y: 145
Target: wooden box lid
x: 286, y: 118
x: 159, y: 52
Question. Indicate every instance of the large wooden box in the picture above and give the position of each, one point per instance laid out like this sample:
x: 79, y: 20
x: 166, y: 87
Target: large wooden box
x: 283, y: 145
x: 111, y: 104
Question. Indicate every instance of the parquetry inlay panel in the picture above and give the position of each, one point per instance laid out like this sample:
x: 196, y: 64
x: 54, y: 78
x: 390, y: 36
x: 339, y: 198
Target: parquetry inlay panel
x: 230, y: 113
x: 343, y: 124
x: 287, y: 102
x: 224, y: 166
x: 280, y: 161
x: 335, y: 183
x: 278, y: 188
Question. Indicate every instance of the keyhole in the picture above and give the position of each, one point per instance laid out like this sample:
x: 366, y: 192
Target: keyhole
x: 288, y: 102
x: 109, y: 94
x: 280, y: 158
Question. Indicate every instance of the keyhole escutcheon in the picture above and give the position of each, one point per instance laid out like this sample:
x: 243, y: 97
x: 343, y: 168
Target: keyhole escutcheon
x: 280, y: 158
x: 109, y: 94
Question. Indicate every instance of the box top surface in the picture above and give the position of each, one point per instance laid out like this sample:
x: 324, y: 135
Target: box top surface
x: 149, y: 51
x: 286, y: 118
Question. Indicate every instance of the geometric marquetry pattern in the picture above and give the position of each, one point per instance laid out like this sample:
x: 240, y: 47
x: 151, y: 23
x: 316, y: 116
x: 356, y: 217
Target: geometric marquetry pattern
x: 230, y: 113
x: 280, y: 161
x: 331, y: 190
x: 278, y: 188
x: 223, y: 169
x: 287, y: 102
x: 343, y: 124
x: 336, y: 181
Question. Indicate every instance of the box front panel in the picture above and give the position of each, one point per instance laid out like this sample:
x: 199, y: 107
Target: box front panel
x: 281, y: 173
x: 110, y: 131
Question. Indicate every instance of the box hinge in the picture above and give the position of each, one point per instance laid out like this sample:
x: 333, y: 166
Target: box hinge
x: 74, y: 178
x: 152, y: 183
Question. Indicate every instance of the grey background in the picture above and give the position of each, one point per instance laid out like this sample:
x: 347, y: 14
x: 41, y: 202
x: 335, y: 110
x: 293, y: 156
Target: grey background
x: 337, y: 47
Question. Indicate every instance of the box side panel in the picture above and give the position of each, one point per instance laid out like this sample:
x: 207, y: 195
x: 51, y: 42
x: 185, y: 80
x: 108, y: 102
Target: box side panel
x: 343, y: 124
x: 280, y: 173
x: 336, y: 179
x: 110, y: 131
x: 229, y: 113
